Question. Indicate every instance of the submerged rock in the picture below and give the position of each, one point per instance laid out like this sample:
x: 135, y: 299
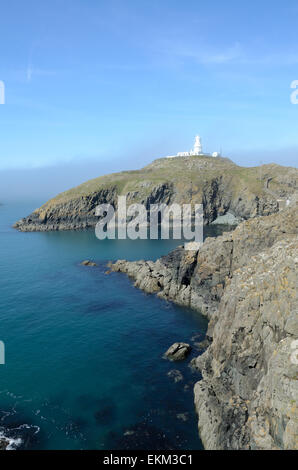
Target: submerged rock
x: 183, y: 416
x: 105, y: 415
x: 178, y: 351
x: 175, y: 375
x: 87, y: 262
x: 142, y: 436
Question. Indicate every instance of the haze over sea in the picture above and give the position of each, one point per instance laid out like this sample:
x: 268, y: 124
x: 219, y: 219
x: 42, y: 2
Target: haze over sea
x: 84, y: 367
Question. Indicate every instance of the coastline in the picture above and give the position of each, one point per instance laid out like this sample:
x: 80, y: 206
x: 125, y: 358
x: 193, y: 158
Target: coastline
x: 236, y: 374
x: 228, y: 192
x: 244, y: 282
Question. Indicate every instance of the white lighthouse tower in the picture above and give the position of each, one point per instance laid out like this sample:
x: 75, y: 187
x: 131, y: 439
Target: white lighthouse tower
x: 197, y: 150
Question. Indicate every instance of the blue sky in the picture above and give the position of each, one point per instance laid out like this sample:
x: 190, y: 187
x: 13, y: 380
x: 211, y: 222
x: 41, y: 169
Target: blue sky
x: 114, y: 84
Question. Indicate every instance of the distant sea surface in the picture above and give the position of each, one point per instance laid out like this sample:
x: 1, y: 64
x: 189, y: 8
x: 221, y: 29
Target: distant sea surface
x: 84, y: 366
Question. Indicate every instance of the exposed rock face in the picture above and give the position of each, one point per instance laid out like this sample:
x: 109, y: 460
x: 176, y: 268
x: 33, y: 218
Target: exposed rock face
x: 227, y: 219
x: 217, y: 183
x: 178, y: 351
x: 245, y: 281
x: 70, y: 213
x: 248, y: 395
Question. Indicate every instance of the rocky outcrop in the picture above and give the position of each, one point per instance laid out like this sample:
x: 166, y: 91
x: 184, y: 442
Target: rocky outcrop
x: 3, y: 444
x: 245, y: 281
x: 198, y: 279
x: 217, y: 183
x: 70, y: 214
x: 178, y: 351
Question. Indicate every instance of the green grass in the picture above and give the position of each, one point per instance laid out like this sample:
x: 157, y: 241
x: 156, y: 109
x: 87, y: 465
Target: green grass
x: 182, y: 172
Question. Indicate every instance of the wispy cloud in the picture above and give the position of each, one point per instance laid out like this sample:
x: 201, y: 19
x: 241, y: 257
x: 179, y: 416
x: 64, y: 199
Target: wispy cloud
x: 30, y: 71
x: 236, y: 53
x: 201, y: 53
x: 210, y: 56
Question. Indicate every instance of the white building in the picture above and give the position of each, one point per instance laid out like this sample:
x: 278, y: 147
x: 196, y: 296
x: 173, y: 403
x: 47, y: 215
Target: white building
x: 197, y: 150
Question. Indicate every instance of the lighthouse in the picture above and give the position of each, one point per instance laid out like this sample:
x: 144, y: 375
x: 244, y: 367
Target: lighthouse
x: 197, y: 150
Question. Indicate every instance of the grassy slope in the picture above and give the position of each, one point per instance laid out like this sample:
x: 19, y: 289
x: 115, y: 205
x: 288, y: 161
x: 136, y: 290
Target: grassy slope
x: 183, y: 172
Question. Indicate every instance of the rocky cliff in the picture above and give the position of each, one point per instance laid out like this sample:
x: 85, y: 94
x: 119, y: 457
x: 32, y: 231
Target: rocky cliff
x: 245, y: 281
x: 217, y: 183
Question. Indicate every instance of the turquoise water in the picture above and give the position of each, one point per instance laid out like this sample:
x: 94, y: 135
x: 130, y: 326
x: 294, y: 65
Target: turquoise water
x: 84, y: 367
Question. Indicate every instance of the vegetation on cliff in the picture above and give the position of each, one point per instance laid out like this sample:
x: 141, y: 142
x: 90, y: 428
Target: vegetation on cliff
x: 218, y: 183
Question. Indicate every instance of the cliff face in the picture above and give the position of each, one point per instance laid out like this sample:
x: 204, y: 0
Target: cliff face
x: 248, y: 396
x: 245, y: 282
x: 217, y: 183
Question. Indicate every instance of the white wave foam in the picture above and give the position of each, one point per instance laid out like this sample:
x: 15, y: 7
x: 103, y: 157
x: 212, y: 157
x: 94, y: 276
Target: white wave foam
x: 12, y: 444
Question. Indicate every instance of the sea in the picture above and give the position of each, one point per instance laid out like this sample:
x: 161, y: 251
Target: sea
x: 84, y: 366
